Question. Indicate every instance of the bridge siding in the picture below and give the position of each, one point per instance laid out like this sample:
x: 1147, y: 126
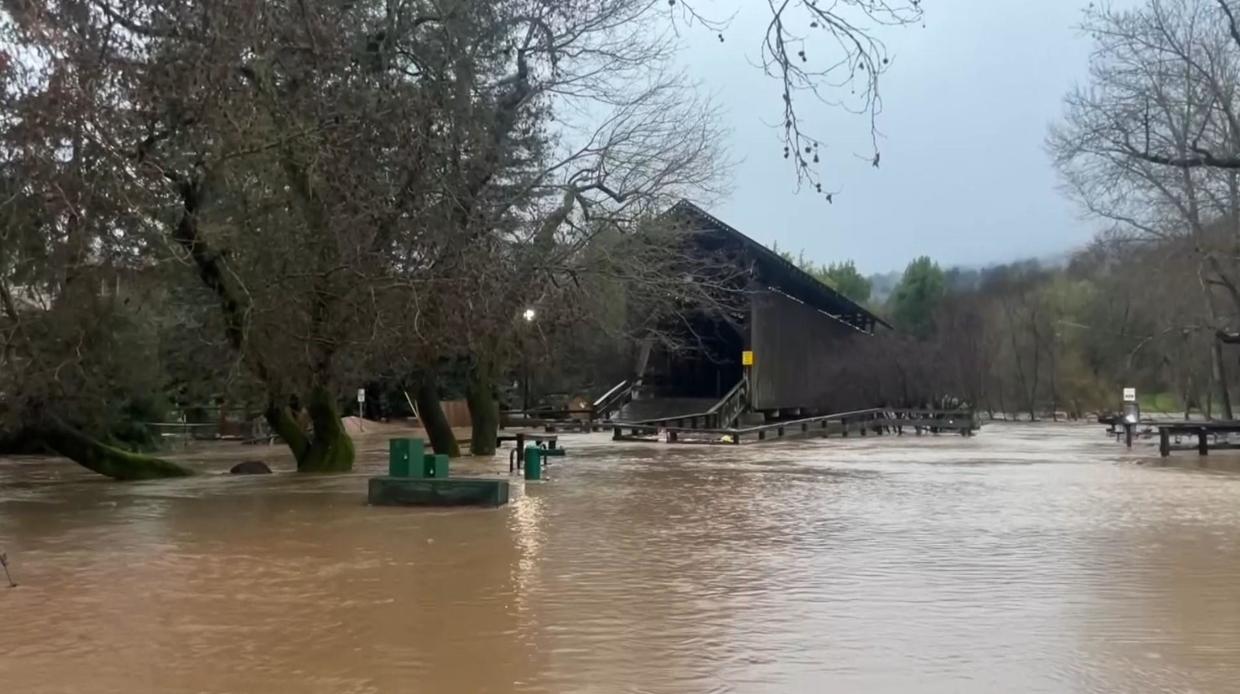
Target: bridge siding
x: 794, y: 346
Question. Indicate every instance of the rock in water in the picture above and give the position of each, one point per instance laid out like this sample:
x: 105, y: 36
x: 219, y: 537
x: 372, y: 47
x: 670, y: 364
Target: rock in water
x: 250, y: 467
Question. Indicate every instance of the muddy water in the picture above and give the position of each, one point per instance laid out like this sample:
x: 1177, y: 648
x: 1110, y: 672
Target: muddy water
x: 1032, y: 559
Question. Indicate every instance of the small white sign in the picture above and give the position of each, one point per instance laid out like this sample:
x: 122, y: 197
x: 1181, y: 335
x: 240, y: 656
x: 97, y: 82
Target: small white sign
x: 361, y: 395
x: 1130, y: 395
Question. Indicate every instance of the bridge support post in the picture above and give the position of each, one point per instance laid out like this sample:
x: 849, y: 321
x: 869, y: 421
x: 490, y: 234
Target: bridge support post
x: 1164, y: 442
x: 1202, y: 446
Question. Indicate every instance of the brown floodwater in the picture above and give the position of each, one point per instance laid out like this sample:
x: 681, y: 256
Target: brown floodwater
x: 1031, y: 558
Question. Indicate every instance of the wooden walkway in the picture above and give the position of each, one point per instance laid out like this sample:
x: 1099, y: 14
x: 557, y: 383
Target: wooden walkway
x: 875, y: 421
x: 1206, y: 435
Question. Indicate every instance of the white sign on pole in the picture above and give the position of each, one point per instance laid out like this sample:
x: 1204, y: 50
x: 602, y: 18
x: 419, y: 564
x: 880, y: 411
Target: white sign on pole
x: 361, y: 395
x: 1130, y: 395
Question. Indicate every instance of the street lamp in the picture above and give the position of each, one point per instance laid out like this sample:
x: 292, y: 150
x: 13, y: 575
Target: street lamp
x: 529, y: 316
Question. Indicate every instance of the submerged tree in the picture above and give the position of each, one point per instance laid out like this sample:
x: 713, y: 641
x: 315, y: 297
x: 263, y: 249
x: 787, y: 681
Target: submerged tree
x: 238, y: 141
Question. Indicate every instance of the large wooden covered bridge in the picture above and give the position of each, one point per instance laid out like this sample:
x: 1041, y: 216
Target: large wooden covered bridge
x: 778, y: 362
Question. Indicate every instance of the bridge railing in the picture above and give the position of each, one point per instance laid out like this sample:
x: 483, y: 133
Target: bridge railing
x: 877, y: 420
x: 613, y: 399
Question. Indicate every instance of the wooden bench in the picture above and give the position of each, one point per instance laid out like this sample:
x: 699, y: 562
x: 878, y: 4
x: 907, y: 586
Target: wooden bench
x: 514, y: 458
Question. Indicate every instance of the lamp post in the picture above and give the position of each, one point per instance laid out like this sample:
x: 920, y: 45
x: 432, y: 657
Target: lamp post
x: 529, y: 315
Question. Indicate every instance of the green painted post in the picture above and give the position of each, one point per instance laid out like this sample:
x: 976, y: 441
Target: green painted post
x: 403, y: 455
x: 533, y: 463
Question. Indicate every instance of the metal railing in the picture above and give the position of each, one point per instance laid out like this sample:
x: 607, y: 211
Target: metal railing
x: 878, y: 420
x: 614, y: 399
x: 722, y: 414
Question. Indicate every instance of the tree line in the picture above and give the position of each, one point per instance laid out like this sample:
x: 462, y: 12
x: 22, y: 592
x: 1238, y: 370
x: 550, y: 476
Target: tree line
x: 1050, y: 340
x: 1149, y: 147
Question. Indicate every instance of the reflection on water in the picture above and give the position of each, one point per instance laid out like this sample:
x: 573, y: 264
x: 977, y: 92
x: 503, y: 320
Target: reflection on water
x: 1033, y: 559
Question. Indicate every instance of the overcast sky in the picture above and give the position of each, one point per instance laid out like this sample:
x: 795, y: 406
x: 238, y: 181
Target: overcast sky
x: 965, y: 177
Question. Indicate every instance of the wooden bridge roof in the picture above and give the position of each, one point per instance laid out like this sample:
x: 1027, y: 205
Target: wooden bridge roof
x: 774, y: 271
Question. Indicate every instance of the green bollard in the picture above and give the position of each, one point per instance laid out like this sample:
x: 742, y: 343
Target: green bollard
x: 403, y: 457
x: 533, y: 463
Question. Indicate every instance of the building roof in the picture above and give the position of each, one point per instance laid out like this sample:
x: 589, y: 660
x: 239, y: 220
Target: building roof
x: 778, y: 274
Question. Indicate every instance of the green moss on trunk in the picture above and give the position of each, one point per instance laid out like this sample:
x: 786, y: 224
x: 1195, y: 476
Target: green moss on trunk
x: 108, y: 460
x: 331, y: 448
x: 483, y: 412
x: 430, y: 413
x: 284, y: 424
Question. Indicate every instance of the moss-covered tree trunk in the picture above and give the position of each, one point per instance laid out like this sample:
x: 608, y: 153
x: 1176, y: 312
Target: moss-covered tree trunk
x: 110, y: 461
x: 283, y: 423
x: 430, y: 413
x: 328, y: 448
x: 483, y: 411
x: 331, y: 448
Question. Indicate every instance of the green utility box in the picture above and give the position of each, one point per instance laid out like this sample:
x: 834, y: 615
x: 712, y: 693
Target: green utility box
x: 405, y: 458
x: 434, y: 466
x: 533, y: 463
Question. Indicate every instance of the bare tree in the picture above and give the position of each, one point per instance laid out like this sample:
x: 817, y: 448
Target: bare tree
x: 1142, y: 146
x: 826, y: 52
x: 1199, y: 42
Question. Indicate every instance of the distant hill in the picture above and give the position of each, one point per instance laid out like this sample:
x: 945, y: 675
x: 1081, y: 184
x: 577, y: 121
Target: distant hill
x: 960, y: 277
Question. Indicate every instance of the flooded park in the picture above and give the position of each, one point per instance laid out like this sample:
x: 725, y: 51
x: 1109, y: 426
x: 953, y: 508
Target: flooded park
x: 1034, y: 558
x: 285, y: 286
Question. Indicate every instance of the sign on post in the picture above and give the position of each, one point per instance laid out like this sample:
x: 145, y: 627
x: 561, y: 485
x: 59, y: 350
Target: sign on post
x: 747, y: 358
x: 361, y: 408
x: 1130, y: 395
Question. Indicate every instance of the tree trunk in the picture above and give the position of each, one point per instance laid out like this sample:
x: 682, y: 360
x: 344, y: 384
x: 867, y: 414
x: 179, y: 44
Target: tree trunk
x: 1054, y: 381
x: 1220, y: 375
x: 483, y: 411
x: 430, y: 413
x: 283, y: 423
x: 108, y: 460
x: 331, y: 448
x: 1002, y: 402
